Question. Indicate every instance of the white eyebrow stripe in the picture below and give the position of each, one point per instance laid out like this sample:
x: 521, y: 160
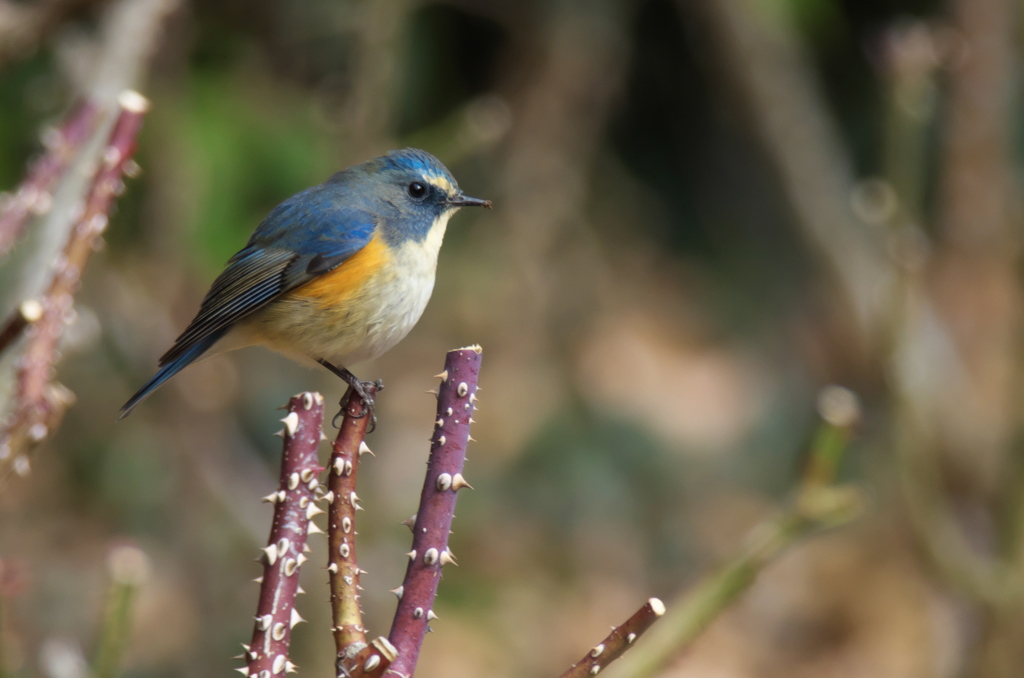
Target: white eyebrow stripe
x: 441, y: 183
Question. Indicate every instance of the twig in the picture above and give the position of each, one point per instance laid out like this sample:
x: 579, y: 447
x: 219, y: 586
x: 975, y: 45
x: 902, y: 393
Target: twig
x: 818, y: 505
x: 455, y: 404
x: 129, y: 569
x: 39, y: 403
x: 618, y: 641
x: 27, y: 313
x: 34, y: 196
x: 349, y: 633
x: 294, y: 505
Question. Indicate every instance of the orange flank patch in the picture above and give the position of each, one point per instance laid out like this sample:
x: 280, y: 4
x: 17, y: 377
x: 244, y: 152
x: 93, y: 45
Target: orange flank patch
x: 346, y: 281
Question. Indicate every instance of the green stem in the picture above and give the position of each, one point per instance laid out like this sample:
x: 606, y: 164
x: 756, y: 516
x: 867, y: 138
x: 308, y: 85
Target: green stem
x: 115, y: 631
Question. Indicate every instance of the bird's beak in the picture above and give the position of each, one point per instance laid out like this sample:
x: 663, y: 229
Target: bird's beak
x: 465, y: 201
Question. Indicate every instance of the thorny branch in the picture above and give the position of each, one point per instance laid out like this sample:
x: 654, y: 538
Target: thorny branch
x: 618, y: 641
x: 34, y: 195
x: 294, y: 506
x: 39, y: 402
x: 349, y: 633
x: 455, y: 404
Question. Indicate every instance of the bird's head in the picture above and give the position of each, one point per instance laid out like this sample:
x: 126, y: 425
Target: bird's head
x: 415, y: 190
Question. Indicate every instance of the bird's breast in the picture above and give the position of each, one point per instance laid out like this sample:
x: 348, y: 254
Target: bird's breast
x: 360, y: 309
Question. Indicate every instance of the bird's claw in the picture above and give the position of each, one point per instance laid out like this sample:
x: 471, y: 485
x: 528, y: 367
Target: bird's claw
x: 363, y: 390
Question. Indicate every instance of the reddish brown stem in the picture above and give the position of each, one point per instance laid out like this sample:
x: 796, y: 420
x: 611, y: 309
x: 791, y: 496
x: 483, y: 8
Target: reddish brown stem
x: 455, y: 404
x: 349, y: 634
x: 27, y: 313
x: 39, y: 404
x: 294, y: 504
x: 618, y: 641
x: 34, y: 195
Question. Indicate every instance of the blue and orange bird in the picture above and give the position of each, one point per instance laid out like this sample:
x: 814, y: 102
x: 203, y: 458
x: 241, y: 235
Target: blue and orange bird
x: 336, y: 274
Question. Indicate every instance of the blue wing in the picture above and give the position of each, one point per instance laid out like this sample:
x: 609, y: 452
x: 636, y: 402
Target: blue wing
x: 309, y: 234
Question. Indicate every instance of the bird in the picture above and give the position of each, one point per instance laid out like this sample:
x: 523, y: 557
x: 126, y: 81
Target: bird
x: 336, y: 274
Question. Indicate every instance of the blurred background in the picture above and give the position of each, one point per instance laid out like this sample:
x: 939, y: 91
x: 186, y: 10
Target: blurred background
x: 705, y: 211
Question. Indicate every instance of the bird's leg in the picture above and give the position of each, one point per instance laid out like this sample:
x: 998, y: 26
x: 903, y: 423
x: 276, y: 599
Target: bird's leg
x: 361, y: 388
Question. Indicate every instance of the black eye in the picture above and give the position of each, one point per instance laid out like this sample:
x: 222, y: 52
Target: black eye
x: 417, y: 190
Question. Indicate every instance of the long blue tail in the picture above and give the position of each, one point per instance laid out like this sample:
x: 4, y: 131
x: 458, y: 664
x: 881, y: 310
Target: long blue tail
x: 168, y: 371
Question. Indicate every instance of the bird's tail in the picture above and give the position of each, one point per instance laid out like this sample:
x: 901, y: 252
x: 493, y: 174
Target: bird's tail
x: 167, y: 371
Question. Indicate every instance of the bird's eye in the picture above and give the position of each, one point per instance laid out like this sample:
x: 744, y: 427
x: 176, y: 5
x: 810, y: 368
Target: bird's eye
x: 417, y: 190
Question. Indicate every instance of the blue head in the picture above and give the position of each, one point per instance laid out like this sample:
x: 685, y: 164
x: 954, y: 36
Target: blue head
x: 410, y: 189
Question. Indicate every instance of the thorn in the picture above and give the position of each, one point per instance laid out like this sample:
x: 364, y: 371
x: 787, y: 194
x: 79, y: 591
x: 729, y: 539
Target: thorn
x: 472, y: 420
x: 296, y: 618
x: 314, y: 529
x: 399, y: 592
x: 433, y: 392
x: 279, y: 434
x: 323, y: 436
x: 458, y: 482
x: 293, y: 481
x: 333, y: 568
x: 299, y: 589
x: 411, y: 554
x: 472, y: 439
x: 270, y: 498
x: 290, y: 668
x: 364, y: 449
x: 441, y: 440
x: 264, y: 622
x: 371, y: 663
x: 301, y: 559
x: 313, y: 510
x: 442, y: 375
x: 339, y: 466
x: 431, y: 615
x: 291, y: 422
x: 271, y: 554
x: 244, y: 670
x: 259, y: 579
x: 447, y: 557
x: 598, y: 649
x: 279, y: 662
x: 328, y: 496
x: 410, y: 522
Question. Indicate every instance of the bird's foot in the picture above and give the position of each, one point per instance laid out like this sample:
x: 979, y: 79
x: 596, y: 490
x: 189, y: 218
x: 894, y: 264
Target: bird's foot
x: 364, y: 389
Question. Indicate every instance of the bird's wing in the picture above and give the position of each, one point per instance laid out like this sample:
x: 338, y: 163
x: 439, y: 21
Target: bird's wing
x: 304, y: 237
